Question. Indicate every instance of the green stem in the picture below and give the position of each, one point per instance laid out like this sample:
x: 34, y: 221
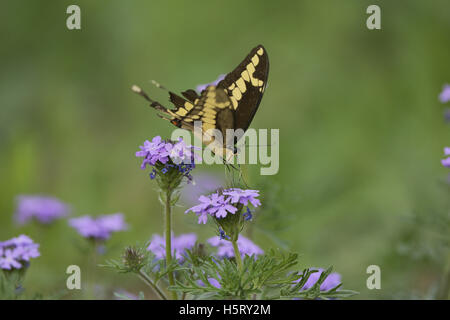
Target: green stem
x: 144, y: 277
x: 237, y: 255
x: 168, y: 233
x: 92, y: 269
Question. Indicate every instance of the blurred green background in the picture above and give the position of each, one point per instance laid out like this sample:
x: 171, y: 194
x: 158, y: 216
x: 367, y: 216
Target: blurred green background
x: 361, y: 128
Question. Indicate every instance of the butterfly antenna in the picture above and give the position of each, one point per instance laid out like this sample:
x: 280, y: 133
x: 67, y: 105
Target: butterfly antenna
x: 259, y: 145
x: 159, y: 86
x: 155, y: 104
x: 141, y: 92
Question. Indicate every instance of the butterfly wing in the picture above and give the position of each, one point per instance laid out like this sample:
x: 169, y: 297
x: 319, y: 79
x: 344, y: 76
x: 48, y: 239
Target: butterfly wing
x: 245, y: 86
x: 213, y: 108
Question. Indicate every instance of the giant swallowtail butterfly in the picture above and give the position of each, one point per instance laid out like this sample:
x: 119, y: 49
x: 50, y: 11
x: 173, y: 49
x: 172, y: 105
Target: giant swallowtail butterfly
x: 231, y: 104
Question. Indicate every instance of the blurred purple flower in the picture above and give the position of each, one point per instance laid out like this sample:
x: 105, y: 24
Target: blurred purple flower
x: 179, y: 245
x: 446, y: 162
x: 99, y: 228
x: 447, y: 114
x: 447, y: 151
x: 225, y: 248
x: 122, y: 294
x: 202, y: 87
x: 204, y: 183
x: 219, y: 205
x: 43, y: 209
x: 330, y: 282
x: 444, y: 96
x: 15, y: 253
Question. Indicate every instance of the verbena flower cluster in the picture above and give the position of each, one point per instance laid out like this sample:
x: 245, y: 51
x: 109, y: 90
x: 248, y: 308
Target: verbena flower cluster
x: 17, y: 252
x: 42, y: 209
x: 445, y: 94
x: 444, y: 97
x: 446, y: 162
x: 179, y: 245
x: 221, y: 203
x: 99, y: 228
x: 162, y: 156
x: 225, y: 248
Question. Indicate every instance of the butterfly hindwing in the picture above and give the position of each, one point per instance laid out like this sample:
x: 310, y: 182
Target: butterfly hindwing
x: 213, y: 108
x: 245, y: 86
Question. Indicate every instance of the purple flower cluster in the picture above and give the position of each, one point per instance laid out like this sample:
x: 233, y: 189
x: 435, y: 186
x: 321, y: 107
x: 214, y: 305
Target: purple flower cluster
x: 43, y: 209
x: 445, y: 94
x: 220, y: 204
x: 446, y: 162
x: 243, y: 196
x: 17, y: 252
x: 168, y: 155
x: 179, y: 245
x: 225, y: 248
x: 99, y: 228
x: 202, y: 87
x: 330, y: 282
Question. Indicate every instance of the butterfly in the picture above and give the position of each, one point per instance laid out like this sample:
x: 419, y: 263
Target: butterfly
x: 230, y: 104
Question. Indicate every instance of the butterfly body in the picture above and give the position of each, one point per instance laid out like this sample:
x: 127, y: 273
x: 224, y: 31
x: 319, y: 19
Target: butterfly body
x: 231, y: 104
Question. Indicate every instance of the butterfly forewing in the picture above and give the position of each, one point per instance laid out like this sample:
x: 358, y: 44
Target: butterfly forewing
x: 245, y: 86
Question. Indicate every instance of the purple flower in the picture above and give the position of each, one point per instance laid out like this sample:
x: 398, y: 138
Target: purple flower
x: 225, y: 248
x: 202, y: 87
x: 154, y: 151
x: 99, y: 228
x: 446, y: 162
x: 222, y: 235
x: 43, y: 209
x: 182, y: 153
x: 179, y: 245
x: 447, y: 151
x: 219, y: 205
x: 330, y: 282
x: 248, y: 215
x: 243, y: 196
x: 214, y: 205
x: 445, y: 94
x: 15, y: 253
x: 163, y: 156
